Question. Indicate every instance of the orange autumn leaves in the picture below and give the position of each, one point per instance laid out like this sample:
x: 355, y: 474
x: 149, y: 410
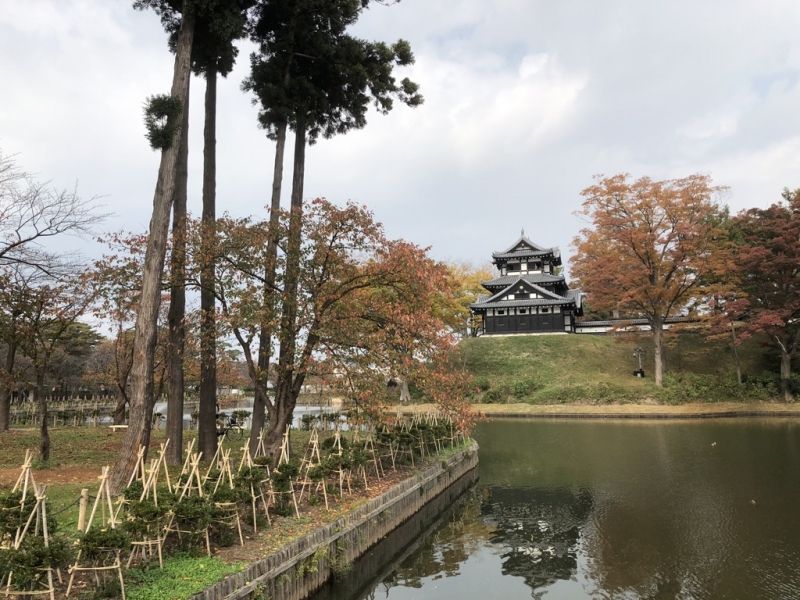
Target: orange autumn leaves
x: 652, y: 247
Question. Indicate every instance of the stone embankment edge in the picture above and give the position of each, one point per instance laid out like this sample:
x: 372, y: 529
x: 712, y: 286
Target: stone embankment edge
x: 303, y: 566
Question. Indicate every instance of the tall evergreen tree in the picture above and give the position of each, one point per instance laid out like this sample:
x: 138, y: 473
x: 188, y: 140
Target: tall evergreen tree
x: 217, y: 24
x: 220, y: 23
x: 177, y: 299
x: 166, y: 138
x: 312, y: 76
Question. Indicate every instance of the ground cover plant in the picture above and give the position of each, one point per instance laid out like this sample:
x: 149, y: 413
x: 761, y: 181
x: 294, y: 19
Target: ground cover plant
x: 300, y: 490
x: 598, y: 369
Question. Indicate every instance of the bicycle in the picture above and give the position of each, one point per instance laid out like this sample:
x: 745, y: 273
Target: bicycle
x: 230, y: 428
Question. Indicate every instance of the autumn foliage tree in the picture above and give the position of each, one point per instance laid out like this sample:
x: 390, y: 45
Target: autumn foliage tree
x: 647, y: 248
x: 48, y: 322
x: 365, y: 308
x: 768, y: 264
x: 116, y: 277
x: 467, y: 280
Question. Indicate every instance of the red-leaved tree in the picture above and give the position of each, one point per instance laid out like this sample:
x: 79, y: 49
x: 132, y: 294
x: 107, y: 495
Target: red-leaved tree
x: 768, y: 263
x: 648, y: 247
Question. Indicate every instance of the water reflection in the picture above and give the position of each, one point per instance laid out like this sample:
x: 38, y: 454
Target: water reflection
x: 539, y: 531
x: 569, y: 510
x: 442, y: 553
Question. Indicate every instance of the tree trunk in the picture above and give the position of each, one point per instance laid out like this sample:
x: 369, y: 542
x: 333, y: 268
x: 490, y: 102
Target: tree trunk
x: 260, y: 398
x: 5, y: 388
x: 177, y: 301
x: 284, y: 396
x: 735, y: 349
x: 284, y: 409
x: 786, y: 375
x: 138, y: 433
x: 207, y: 419
x: 119, y: 409
x: 405, y: 393
x: 44, y: 433
x: 658, y: 349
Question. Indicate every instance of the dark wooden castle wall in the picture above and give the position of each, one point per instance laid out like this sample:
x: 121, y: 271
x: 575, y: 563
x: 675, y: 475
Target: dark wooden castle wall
x: 525, y: 323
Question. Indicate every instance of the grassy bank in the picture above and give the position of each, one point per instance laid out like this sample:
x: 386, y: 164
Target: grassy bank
x: 78, y: 453
x: 598, y: 369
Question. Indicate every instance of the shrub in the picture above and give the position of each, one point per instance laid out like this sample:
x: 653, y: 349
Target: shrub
x: 96, y: 543
x: 12, y: 513
x: 694, y: 387
x: 524, y: 388
x: 482, y: 383
x: 28, y: 561
x: 495, y: 395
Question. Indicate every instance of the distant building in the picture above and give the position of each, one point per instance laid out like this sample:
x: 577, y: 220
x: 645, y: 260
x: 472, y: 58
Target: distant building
x: 529, y: 296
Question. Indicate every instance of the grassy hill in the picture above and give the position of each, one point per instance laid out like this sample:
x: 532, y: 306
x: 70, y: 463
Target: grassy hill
x: 599, y: 369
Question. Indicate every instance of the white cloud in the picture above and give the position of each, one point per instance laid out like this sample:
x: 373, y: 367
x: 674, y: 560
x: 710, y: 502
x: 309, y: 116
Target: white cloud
x: 525, y: 101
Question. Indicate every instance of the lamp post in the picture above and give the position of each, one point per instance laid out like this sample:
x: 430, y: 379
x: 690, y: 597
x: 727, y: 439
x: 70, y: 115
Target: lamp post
x: 638, y: 353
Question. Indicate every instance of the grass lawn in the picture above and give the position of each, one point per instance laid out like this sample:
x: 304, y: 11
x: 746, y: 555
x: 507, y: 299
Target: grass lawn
x: 77, y: 457
x: 79, y: 453
x: 558, y: 369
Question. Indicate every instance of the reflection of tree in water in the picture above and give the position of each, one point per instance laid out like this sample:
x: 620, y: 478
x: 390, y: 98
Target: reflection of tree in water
x: 539, y: 530
x: 441, y: 554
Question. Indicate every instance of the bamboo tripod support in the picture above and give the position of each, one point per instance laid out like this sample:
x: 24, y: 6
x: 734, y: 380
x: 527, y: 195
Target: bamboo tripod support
x: 344, y: 475
x: 102, y: 501
x: 149, y: 544
x: 257, y: 489
x: 192, y: 485
x: 283, y: 459
x: 229, y: 510
x: 38, y: 518
x: 312, y: 460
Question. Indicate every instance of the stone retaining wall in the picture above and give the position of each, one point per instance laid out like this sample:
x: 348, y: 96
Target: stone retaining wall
x: 303, y: 566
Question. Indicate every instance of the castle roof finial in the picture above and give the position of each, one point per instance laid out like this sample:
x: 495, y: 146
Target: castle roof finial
x: 522, y: 232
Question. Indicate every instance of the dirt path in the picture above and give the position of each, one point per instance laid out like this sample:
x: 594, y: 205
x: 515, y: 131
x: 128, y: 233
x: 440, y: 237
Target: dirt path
x: 49, y: 476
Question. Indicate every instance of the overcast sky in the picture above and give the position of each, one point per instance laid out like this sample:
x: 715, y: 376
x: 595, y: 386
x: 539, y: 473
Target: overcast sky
x: 525, y: 101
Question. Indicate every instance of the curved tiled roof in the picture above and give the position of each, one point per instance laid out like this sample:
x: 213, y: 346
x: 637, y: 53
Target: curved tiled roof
x: 530, y: 278
x: 523, y: 253
x: 550, y: 299
x: 523, y: 239
x: 524, y: 302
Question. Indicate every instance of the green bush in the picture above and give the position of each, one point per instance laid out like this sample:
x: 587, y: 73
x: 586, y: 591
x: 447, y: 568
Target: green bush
x: 496, y: 395
x: 524, y: 388
x: 12, y: 513
x: 694, y: 387
x: 28, y: 561
x: 483, y: 383
x: 600, y: 392
x: 96, y: 543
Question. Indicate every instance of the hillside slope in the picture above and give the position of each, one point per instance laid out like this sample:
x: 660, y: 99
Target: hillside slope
x: 599, y: 369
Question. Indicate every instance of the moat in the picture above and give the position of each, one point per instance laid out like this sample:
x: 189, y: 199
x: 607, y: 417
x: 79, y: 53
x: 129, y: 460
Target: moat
x: 587, y: 509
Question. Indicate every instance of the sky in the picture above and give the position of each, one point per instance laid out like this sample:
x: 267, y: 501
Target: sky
x: 525, y: 101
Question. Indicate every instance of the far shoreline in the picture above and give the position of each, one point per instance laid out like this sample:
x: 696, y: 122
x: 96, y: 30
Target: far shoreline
x: 695, y: 410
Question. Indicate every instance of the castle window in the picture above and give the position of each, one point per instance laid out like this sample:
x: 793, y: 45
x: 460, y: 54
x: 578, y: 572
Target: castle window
x: 545, y: 310
x: 523, y: 311
x: 501, y: 312
x: 510, y: 297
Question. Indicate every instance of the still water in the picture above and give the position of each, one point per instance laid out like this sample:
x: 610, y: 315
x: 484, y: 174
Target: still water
x: 563, y: 510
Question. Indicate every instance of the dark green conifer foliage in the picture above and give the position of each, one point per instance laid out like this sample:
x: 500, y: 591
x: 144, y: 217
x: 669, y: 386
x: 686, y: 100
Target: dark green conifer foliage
x: 218, y: 24
x: 311, y: 75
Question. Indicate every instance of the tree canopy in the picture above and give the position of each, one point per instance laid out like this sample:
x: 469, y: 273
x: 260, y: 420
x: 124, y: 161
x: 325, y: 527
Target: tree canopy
x: 767, y: 259
x: 309, y: 70
x: 648, y: 247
